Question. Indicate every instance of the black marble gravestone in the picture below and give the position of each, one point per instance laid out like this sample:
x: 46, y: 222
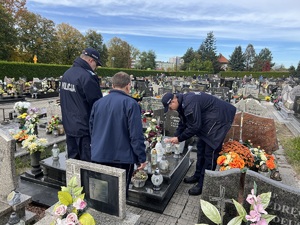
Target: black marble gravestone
x: 101, y: 191
x: 171, y: 122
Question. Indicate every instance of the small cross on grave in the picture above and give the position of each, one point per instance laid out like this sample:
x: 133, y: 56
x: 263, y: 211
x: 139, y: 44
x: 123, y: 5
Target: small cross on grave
x: 221, y: 201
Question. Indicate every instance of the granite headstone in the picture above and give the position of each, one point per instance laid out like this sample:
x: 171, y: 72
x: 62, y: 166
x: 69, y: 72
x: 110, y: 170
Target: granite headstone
x: 260, y: 131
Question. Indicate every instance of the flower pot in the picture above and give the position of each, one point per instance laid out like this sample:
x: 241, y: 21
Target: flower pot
x: 137, y: 181
x: 35, y: 162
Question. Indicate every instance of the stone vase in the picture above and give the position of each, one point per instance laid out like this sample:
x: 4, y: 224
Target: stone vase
x: 35, y: 162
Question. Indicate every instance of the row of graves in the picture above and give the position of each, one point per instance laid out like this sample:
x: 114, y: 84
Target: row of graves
x: 152, y: 188
x: 12, y: 90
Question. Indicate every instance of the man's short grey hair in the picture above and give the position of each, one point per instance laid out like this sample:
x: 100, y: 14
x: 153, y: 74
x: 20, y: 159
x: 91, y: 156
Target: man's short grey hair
x: 120, y: 79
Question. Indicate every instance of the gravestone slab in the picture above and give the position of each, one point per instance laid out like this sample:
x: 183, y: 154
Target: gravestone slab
x: 297, y: 106
x: 171, y: 122
x: 250, y: 89
x: 7, y: 166
x: 252, y: 106
x: 295, y: 92
x: 261, y: 131
x: 284, y: 199
x: 219, y: 188
x: 109, y: 181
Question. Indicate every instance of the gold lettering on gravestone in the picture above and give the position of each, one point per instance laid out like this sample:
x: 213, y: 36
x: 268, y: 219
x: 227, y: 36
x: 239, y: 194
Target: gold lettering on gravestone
x: 98, y: 190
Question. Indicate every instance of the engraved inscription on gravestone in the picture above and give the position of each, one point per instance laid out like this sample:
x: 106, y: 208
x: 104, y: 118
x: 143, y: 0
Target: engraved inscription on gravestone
x: 284, y: 201
x: 98, y: 190
x: 171, y: 123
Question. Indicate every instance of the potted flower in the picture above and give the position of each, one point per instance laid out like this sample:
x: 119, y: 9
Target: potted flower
x: 35, y: 146
x: 71, y: 208
x: 153, y: 133
x: 20, y: 136
x: 21, y: 107
x: 230, y: 160
x: 240, y: 149
x: 31, y: 121
x: 53, y: 124
x: 139, y: 178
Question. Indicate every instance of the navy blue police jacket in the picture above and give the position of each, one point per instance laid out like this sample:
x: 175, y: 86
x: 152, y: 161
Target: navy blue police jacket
x: 79, y: 89
x: 205, y: 116
x: 116, y: 130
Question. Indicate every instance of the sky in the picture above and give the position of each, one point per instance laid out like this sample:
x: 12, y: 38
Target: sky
x: 169, y: 28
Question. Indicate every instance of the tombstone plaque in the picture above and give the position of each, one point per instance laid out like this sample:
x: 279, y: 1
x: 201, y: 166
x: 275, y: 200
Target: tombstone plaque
x: 104, y: 186
x: 219, y: 189
x: 171, y: 122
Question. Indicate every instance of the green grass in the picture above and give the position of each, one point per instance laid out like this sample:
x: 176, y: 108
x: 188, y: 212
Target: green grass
x: 292, y: 151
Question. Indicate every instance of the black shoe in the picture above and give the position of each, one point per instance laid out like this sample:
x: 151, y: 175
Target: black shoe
x: 191, y: 180
x: 195, y: 190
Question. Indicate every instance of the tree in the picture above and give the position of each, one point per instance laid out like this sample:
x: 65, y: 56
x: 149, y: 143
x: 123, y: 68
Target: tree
x: 119, y: 53
x: 298, y: 70
x: 147, y: 60
x: 236, y: 60
x: 188, y: 58
x: 95, y: 40
x: 37, y: 36
x: 292, y: 71
x: 70, y: 42
x: 207, y: 51
x: 263, y: 61
x: 249, y: 56
x: 14, y: 7
x: 8, y: 37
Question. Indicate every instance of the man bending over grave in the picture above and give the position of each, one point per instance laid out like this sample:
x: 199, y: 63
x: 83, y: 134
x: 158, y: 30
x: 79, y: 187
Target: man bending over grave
x: 116, y: 129
x: 207, y: 117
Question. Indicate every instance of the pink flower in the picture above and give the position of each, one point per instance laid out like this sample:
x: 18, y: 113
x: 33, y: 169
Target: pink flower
x: 79, y: 204
x: 71, y: 219
x: 251, y: 198
x: 260, y: 209
x: 60, y: 210
x: 254, y: 216
x: 262, y: 222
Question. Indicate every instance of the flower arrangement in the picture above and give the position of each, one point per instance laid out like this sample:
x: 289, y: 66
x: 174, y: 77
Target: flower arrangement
x: 261, y: 157
x: 31, y: 120
x: 9, y: 86
x: 71, y: 208
x: 139, y: 178
x: 257, y: 215
x: 27, y: 84
x: 22, y: 120
x: 153, y: 133
x: 230, y: 160
x: 21, y: 107
x: 33, y: 144
x: 243, y: 151
x: 53, y: 123
x: 20, y: 136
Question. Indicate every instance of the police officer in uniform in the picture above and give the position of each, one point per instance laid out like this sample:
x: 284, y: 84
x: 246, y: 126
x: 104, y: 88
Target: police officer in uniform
x: 207, y: 117
x: 79, y: 90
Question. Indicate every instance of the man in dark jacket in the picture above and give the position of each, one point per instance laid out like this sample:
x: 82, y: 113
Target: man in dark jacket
x: 116, y: 129
x: 79, y: 90
x: 207, y: 117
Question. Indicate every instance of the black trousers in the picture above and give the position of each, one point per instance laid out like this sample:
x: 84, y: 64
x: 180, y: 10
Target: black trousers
x: 79, y: 147
x: 129, y: 171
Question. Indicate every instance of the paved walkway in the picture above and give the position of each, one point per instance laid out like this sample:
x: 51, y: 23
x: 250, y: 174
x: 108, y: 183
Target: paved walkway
x: 182, y: 208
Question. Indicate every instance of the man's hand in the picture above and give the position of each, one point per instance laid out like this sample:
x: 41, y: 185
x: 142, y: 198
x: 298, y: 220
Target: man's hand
x: 173, y: 140
x: 142, y: 166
